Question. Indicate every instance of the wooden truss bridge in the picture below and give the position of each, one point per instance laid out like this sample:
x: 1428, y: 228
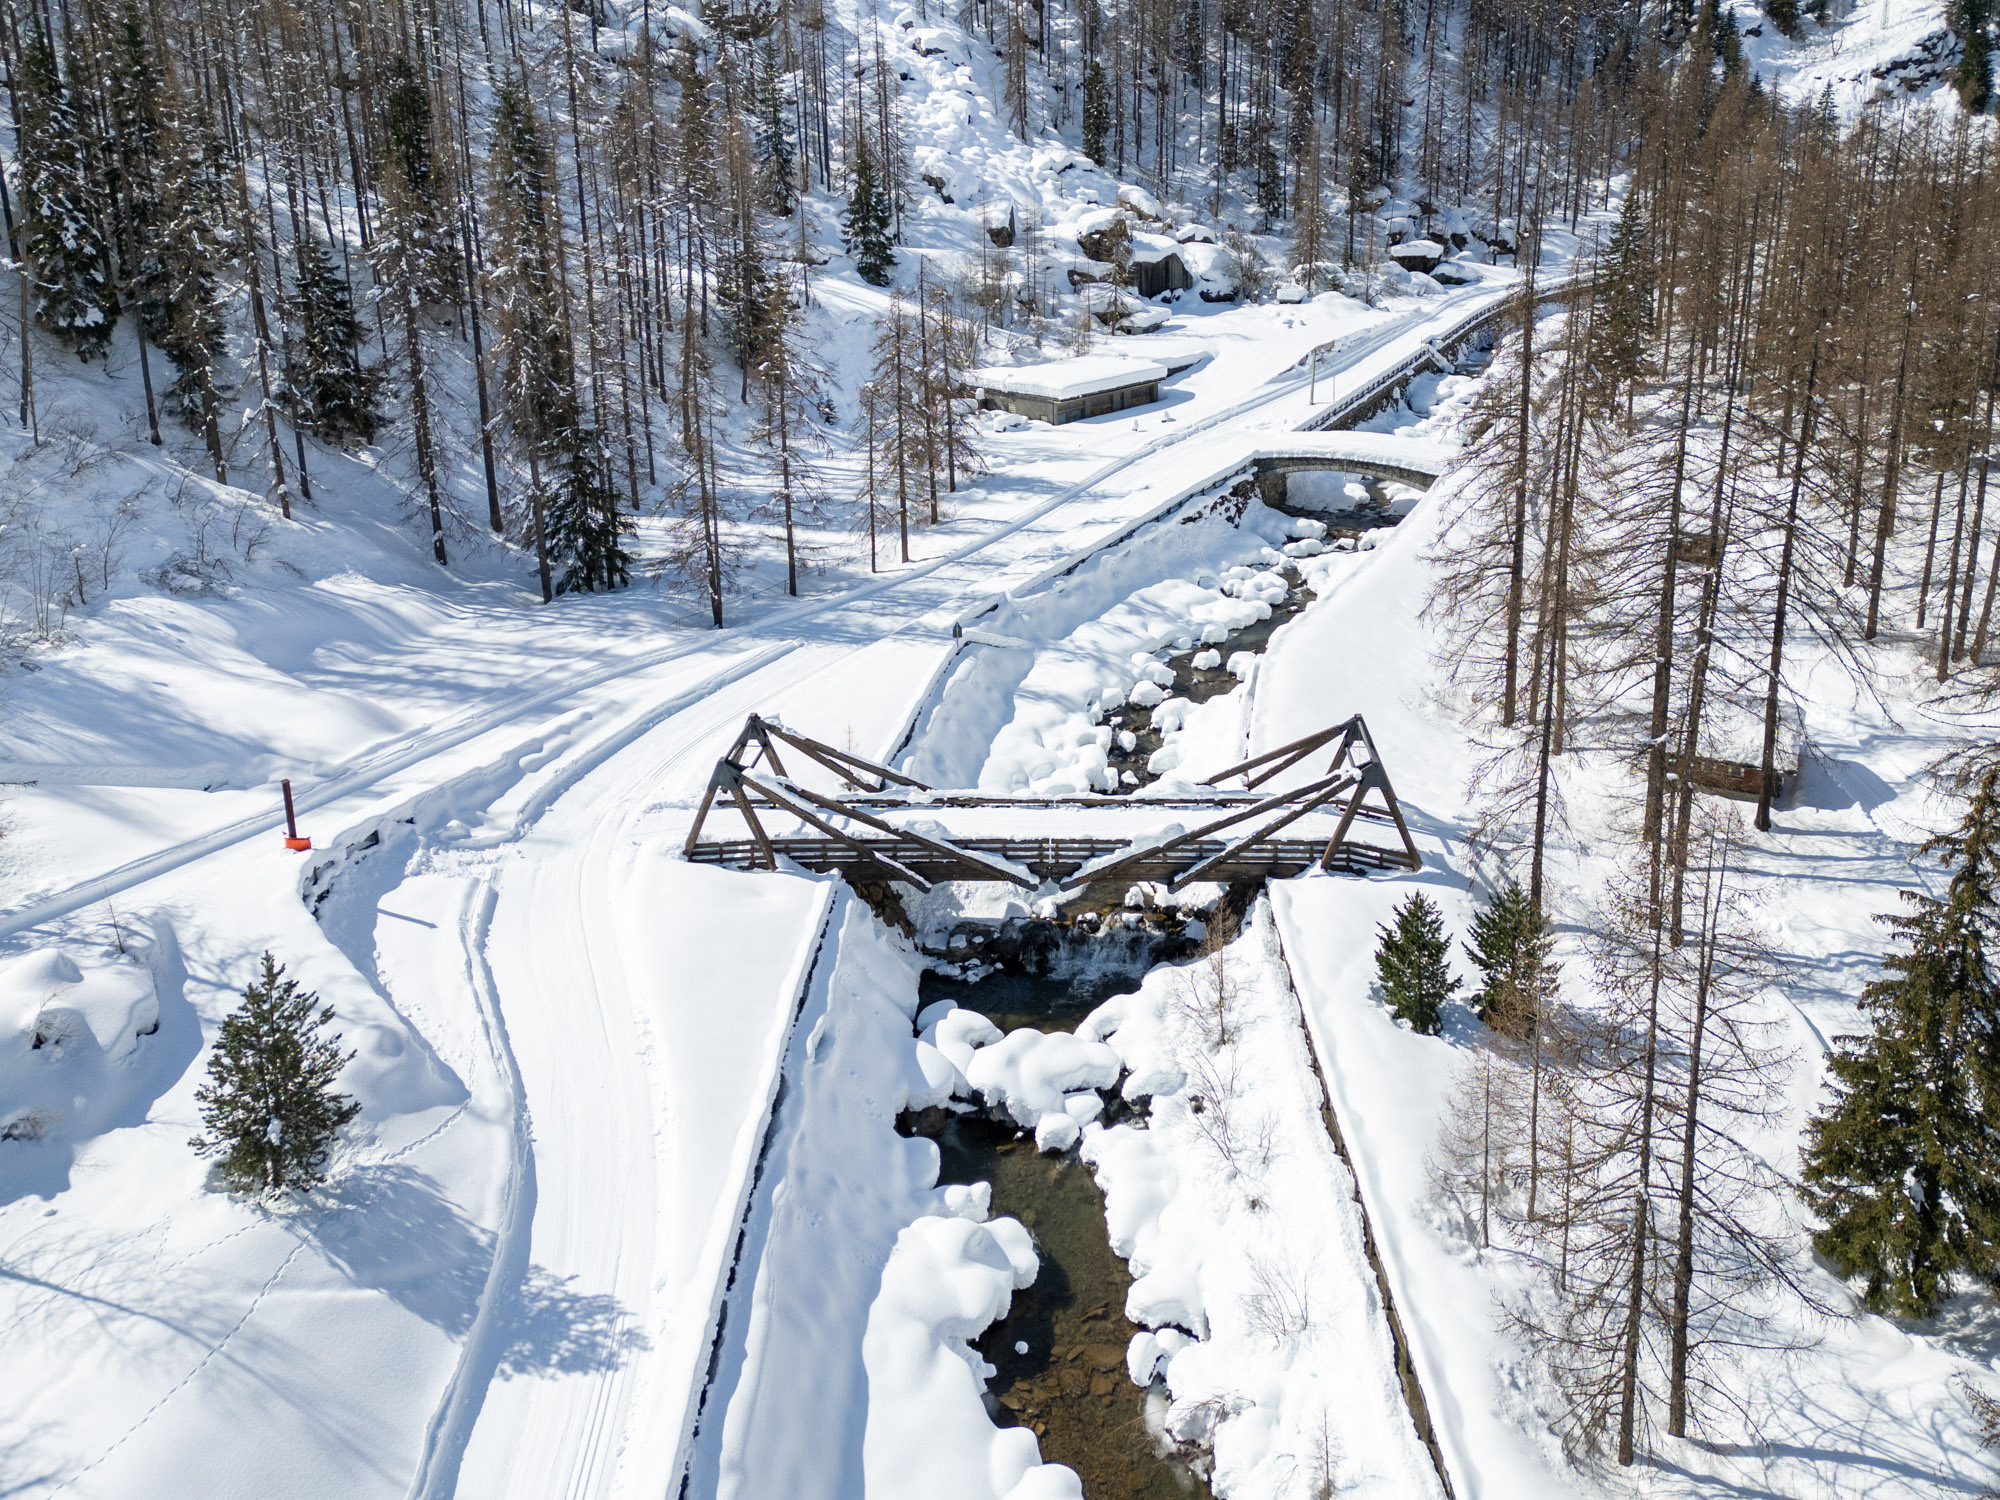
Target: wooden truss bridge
x: 884, y: 825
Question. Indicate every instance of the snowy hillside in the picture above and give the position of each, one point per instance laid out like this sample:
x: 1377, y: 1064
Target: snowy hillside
x: 637, y: 1196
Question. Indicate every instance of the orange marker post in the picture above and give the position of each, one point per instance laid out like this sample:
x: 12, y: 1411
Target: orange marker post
x: 292, y: 839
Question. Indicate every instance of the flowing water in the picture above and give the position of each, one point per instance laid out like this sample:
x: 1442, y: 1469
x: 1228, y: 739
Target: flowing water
x: 1060, y: 1350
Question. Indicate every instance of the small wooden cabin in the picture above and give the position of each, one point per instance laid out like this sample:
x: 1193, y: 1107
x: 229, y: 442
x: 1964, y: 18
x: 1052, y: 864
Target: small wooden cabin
x: 1067, y: 390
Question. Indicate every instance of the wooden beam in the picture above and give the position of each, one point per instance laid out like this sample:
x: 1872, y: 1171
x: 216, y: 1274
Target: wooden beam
x: 1195, y: 835
x: 1292, y: 753
x: 1195, y: 872
x: 860, y: 846
x: 839, y: 809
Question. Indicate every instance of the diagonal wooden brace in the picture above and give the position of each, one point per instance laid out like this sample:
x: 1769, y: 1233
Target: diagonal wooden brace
x: 1195, y: 835
x: 1289, y: 755
x: 1318, y: 799
x: 792, y: 795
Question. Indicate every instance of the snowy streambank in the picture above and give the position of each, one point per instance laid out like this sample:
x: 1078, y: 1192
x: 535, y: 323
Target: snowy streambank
x: 1024, y: 708
x: 858, y: 1269
x: 1194, y: 1102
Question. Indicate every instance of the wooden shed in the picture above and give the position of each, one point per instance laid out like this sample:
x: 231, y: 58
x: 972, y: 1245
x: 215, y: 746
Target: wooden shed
x: 1066, y: 390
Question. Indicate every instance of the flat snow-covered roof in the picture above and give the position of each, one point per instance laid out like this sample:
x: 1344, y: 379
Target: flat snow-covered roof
x: 1067, y: 379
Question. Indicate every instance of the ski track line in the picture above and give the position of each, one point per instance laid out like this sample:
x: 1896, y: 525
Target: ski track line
x: 458, y: 1408
x: 372, y: 767
x: 598, y: 1109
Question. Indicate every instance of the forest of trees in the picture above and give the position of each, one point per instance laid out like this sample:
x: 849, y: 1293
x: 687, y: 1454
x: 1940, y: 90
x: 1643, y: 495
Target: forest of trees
x: 1755, y: 444
x: 612, y: 221
x: 1758, y: 437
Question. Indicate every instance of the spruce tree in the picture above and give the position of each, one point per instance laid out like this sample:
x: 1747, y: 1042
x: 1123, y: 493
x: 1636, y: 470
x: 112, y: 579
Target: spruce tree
x: 407, y: 114
x: 1510, y: 944
x: 269, y: 1107
x: 1903, y: 1165
x: 1412, y: 962
x: 1972, y: 20
x: 585, y: 528
x: 537, y: 363
x: 184, y: 268
x: 330, y: 392
x: 865, y: 225
x: 775, y: 156
x: 1096, y: 113
x: 61, y: 209
x: 1623, y: 330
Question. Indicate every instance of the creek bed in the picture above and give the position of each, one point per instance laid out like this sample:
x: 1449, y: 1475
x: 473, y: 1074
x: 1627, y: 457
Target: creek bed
x: 1197, y: 684
x: 1070, y: 1385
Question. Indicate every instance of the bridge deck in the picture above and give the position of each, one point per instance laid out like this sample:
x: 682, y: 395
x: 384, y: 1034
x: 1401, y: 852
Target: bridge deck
x: 1051, y: 858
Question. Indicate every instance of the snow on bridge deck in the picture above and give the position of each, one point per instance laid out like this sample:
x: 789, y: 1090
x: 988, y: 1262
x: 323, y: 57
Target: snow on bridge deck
x: 1416, y: 461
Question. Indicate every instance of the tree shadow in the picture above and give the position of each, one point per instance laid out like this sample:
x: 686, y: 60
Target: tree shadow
x: 390, y: 1228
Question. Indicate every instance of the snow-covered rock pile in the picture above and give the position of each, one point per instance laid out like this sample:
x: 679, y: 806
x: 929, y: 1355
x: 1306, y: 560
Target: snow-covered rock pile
x: 72, y: 1022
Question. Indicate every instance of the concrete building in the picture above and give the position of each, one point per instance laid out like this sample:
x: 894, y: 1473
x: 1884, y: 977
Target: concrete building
x: 1065, y: 390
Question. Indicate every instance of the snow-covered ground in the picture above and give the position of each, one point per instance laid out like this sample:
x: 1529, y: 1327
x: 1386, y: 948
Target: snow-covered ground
x: 566, y: 1039
x: 571, y: 1046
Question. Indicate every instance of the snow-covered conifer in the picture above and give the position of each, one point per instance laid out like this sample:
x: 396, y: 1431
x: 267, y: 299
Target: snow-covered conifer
x: 330, y: 392
x: 1413, y: 964
x: 269, y: 1109
x: 865, y: 225
x: 61, y: 209
x: 1903, y: 1164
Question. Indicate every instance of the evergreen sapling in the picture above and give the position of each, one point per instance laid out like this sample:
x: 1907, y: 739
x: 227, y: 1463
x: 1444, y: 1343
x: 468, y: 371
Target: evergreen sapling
x: 1510, y: 945
x: 1413, y: 964
x: 269, y: 1106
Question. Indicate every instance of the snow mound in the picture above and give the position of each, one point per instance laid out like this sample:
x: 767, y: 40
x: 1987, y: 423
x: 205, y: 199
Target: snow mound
x: 71, y: 1023
x: 928, y: 1433
x: 1034, y: 1074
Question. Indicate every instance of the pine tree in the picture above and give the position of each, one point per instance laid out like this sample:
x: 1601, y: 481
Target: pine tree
x: 194, y: 245
x: 1510, y: 944
x: 537, y: 362
x: 1623, y: 330
x: 775, y: 156
x: 269, y: 1107
x: 407, y: 114
x: 1412, y: 962
x: 1784, y: 15
x: 1904, y: 1164
x: 585, y: 527
x: 75, y: 296
x: 1973, y: 21
x: 865, y: 225
x: 330, y: 392
x: 1096, y: 113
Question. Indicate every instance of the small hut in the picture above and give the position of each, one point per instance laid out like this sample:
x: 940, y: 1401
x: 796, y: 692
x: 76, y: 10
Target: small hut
x: 1066, y: 390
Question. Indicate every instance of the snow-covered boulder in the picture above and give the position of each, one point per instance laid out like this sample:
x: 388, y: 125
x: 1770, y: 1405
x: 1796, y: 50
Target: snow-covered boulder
x: 927, y: 1433
x: 1417, y: 255
x: 72, y: 1024
x: 1032, y: 1073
